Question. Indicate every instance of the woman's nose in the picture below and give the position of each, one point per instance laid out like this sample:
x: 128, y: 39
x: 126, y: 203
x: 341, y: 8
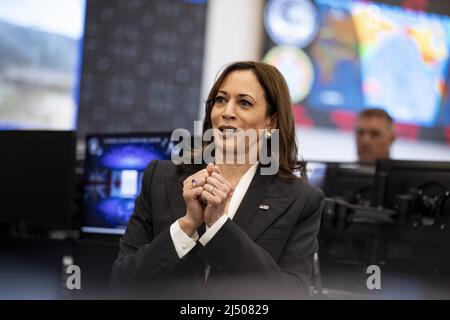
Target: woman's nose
x: 229, y: 111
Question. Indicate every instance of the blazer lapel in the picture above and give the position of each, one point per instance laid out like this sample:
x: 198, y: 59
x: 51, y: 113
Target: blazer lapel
x: 174, y: 191
x: 266, y: 199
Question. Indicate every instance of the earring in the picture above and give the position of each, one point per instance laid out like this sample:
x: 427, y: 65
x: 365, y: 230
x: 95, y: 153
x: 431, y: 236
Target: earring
x: 267, y: 134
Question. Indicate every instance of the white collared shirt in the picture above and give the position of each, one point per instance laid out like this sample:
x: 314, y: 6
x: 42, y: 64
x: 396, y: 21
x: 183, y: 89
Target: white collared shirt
x: 183, y: 243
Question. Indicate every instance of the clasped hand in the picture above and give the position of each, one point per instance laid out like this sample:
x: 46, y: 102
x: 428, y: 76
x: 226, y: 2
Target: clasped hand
x: 206, y: 194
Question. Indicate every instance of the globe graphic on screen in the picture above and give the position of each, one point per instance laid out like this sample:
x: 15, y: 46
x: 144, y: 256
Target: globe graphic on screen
x: 291, y: 22
x: 296, y: 68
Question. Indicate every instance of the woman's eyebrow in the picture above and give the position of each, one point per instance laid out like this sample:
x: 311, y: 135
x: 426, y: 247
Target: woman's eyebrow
x: 246, y: 95
x: 239, y: 95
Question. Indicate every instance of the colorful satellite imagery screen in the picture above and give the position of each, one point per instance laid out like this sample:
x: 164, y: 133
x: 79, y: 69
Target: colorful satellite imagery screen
x: 362, y: 54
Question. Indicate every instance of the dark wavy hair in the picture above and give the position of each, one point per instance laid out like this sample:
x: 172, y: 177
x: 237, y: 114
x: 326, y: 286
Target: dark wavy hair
x: 279, y: 106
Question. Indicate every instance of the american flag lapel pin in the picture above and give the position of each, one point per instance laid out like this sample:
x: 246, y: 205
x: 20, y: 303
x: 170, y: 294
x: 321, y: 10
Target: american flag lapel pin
x: 264, y: 207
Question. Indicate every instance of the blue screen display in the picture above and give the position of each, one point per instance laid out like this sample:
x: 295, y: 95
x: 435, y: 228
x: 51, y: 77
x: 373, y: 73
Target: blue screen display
x: 114, y: 169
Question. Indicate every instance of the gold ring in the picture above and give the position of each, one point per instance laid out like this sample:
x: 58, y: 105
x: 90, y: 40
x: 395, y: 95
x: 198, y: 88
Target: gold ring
x: 194, y: 184
x: 211, y: 190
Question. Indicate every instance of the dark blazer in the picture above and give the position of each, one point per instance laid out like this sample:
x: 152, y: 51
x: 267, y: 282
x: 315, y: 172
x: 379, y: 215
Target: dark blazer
x: 259, y: 254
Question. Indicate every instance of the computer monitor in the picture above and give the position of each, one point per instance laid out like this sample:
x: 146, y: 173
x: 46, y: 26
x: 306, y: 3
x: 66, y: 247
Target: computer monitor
x: 114, y: 167
x: 397, y: 179
x: 37, y: 170
x: 419, y: 192
x: 349, y: 181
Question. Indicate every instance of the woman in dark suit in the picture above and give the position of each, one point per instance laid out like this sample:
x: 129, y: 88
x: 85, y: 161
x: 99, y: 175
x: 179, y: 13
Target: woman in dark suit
x: 227, y: 230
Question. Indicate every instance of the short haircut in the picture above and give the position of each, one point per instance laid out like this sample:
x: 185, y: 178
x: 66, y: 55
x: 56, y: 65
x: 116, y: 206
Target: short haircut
x: 376, y: 112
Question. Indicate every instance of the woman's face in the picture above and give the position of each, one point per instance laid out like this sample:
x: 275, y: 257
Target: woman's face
x: 239, y: 105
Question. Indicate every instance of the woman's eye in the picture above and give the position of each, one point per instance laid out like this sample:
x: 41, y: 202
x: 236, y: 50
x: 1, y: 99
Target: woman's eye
x: 246, y: 103
x: 219, y: 99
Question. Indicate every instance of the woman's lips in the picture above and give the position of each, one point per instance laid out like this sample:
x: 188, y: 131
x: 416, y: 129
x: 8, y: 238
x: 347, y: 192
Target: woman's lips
x: 227, y: 131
